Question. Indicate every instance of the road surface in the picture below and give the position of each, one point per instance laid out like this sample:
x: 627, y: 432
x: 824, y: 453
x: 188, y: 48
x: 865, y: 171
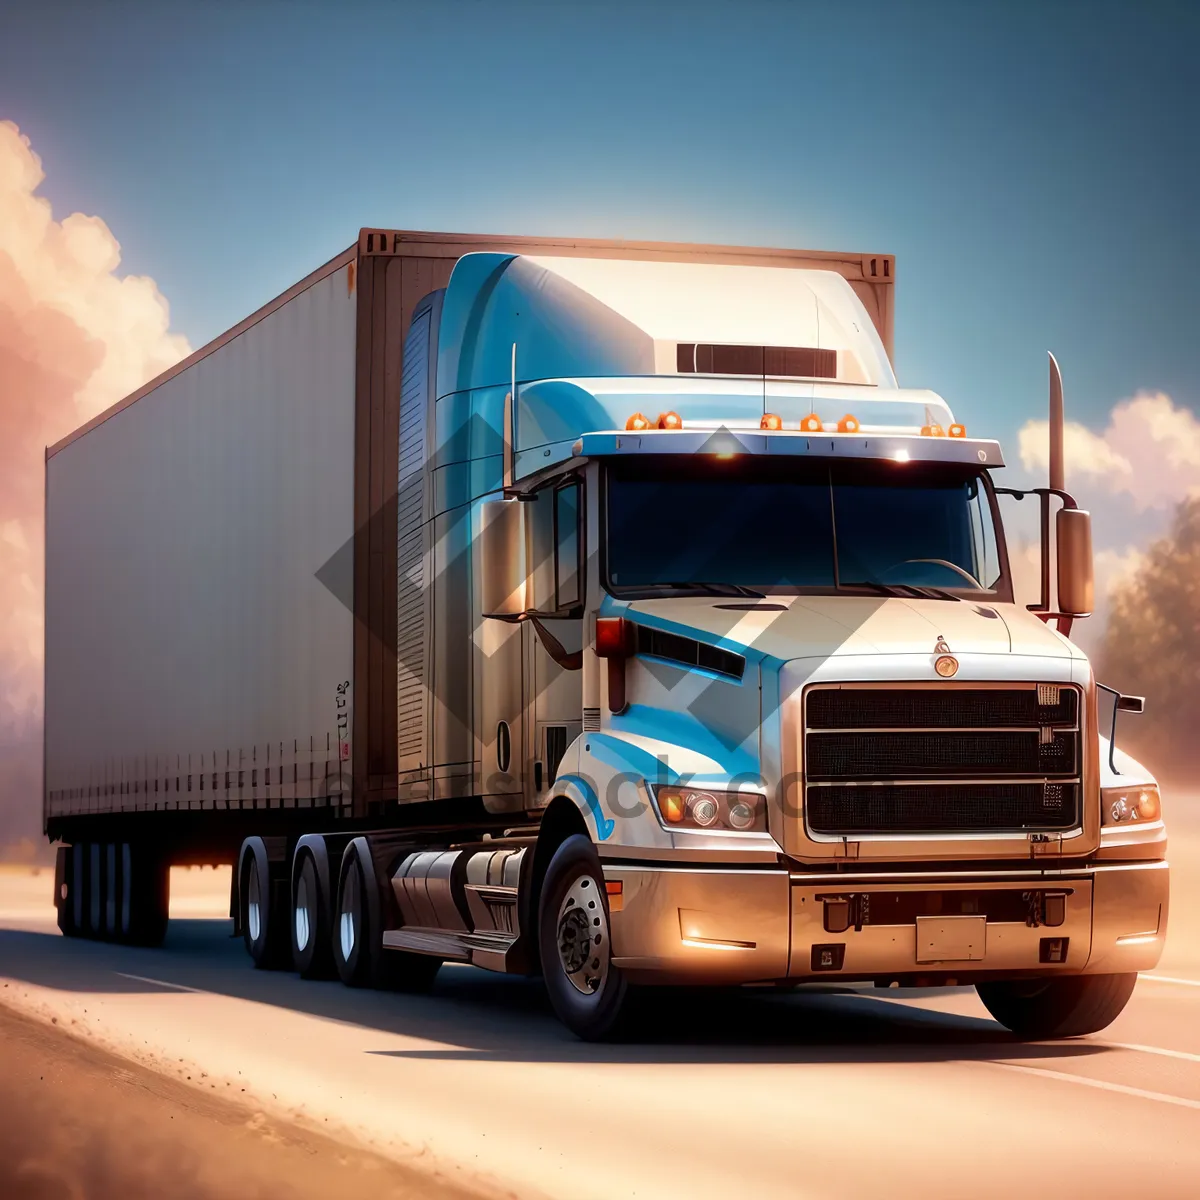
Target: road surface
x: 811, y: 1094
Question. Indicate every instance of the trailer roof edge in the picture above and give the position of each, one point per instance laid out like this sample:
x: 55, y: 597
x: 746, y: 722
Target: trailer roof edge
x: 334, y: 264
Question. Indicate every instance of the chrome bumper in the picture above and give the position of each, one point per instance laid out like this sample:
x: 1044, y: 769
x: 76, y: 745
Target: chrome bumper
x: 734, y: 925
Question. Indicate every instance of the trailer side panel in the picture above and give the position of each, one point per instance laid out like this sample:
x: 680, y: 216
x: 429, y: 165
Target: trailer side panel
x: 199, y: 600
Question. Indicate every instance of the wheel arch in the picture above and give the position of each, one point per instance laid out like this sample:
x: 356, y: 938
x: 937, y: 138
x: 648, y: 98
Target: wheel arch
x: 563, y: 818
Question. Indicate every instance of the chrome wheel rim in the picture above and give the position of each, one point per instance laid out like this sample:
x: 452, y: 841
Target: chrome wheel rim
x: 302, y: 922
x: 582, y: 936
x: 254, y: 905
x: 347, y: 915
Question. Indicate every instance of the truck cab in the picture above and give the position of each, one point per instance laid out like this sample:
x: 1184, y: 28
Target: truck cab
x: 769, y: 655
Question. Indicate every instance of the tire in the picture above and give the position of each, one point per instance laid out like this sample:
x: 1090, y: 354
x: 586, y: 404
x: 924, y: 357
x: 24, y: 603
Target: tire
x: 264, y: 928
x: 589, y: 995
x: 143, y: 896
x: 1069, y: 1006
x: 357, y: 938
x: 312, y: 950
x: 64, y: 890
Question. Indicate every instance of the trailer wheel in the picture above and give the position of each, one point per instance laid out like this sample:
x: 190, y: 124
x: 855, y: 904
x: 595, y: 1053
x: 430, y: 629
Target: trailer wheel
x: 145, y: 898
x: 312, y: 951
x: 1069, y: 1006
x: 357, y: 936
x: 589, y: 994
x: 264, y: 928
x: 64, y: 890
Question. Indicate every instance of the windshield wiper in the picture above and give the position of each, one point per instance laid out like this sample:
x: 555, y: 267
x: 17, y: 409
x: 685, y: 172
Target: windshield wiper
x: 713, y: 589
x: 903, y: 590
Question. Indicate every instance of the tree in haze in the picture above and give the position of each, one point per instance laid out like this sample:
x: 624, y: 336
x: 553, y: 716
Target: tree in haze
x: 1152, y: 648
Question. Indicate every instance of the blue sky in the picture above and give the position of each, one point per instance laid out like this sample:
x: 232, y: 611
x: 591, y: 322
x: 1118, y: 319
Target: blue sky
x: 1033, y: 166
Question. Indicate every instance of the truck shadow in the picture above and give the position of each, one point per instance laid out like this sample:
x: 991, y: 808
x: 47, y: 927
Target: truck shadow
x: 474, y: 1015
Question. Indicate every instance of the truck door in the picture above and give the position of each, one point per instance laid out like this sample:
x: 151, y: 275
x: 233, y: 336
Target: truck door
x: 554, y: 630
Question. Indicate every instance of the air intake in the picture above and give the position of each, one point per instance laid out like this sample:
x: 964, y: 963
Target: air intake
x: 706, y: 358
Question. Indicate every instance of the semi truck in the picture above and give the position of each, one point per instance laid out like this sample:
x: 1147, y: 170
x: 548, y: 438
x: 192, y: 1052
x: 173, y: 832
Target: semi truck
x: 603, y: 611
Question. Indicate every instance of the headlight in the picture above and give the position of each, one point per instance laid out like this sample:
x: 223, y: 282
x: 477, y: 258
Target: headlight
x: 701, y: 808
x: 1125, y: 806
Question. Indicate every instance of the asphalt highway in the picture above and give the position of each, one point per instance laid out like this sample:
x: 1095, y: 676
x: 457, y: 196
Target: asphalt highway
x: 854, y: 1093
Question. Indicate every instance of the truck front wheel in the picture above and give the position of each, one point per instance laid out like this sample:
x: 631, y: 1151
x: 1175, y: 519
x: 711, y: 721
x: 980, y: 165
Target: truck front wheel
x: 1068, y: 1006
x: 588, y: 993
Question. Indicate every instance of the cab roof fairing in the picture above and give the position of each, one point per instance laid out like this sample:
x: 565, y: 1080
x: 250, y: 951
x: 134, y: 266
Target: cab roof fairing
x: 554, y: 410
x: 624, y: 317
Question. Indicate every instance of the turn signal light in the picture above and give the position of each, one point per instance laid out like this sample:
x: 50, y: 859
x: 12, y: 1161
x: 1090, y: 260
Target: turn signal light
x: 637, y: 421
x: 672, y: 806
x: 1120, y: 806
x: 771, y: 421
x: 848, y: 424
x: 932, y: 431
x: 670, y: 420
x: 614, y: 637
x: 812, y: 424
x: 957, y: 431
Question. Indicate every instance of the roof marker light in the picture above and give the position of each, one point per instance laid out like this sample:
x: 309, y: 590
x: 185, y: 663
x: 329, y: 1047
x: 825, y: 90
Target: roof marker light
x: 812, y: 424
x: 772, y: 421
x: 848, y: 424
x: 637, y: 421
x: 932, y: 431
x: 957, y: 431
x: 670, y: 420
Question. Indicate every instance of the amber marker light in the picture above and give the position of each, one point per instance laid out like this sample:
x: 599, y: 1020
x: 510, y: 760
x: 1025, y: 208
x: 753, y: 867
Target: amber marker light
x: 637, y: 421
x: 772, y: 421
x: 672, y: 806
x: 932, y: 431
x: 957, y: 431
x: 1148, y: 805
x: 812, y: 424
x: 848, y: 424
x: 670, y: 420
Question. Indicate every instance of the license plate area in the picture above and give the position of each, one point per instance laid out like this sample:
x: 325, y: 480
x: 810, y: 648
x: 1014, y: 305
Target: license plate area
x: 951, y: 939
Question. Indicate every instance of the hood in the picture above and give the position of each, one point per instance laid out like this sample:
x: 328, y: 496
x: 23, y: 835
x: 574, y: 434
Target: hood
x: 784, y: 628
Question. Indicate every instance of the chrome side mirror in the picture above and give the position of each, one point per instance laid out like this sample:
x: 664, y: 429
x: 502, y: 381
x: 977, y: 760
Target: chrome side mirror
x: 1076, y: 581
x: 502, y: 559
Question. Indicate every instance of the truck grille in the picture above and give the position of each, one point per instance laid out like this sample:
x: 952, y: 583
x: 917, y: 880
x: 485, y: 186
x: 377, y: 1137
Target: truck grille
x: 942, y: 760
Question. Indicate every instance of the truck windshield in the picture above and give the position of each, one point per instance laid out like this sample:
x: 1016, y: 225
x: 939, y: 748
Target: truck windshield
x: 700, y: 524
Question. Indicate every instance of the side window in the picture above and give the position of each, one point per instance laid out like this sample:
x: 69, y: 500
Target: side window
x: 552, y: 519
x: 568, y: 584
x: 983, y: 536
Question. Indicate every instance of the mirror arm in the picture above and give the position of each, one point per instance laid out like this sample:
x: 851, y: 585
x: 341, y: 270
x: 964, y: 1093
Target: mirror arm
x: 1042, y: 607
x: 1112, y: 733
x: 555, y: 648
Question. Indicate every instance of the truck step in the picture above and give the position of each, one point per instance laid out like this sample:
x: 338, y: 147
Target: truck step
x: 494, y: 951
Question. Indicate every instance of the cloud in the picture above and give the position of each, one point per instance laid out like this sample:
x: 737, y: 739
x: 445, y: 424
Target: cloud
x: 1150, y: 450
x: 74, y: 338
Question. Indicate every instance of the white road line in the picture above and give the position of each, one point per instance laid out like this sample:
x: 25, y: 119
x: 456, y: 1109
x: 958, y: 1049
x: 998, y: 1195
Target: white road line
x: 1171, y: 979
x: 1102, y: 1085
x: 178, y: 987
x: 1180, y: 1054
